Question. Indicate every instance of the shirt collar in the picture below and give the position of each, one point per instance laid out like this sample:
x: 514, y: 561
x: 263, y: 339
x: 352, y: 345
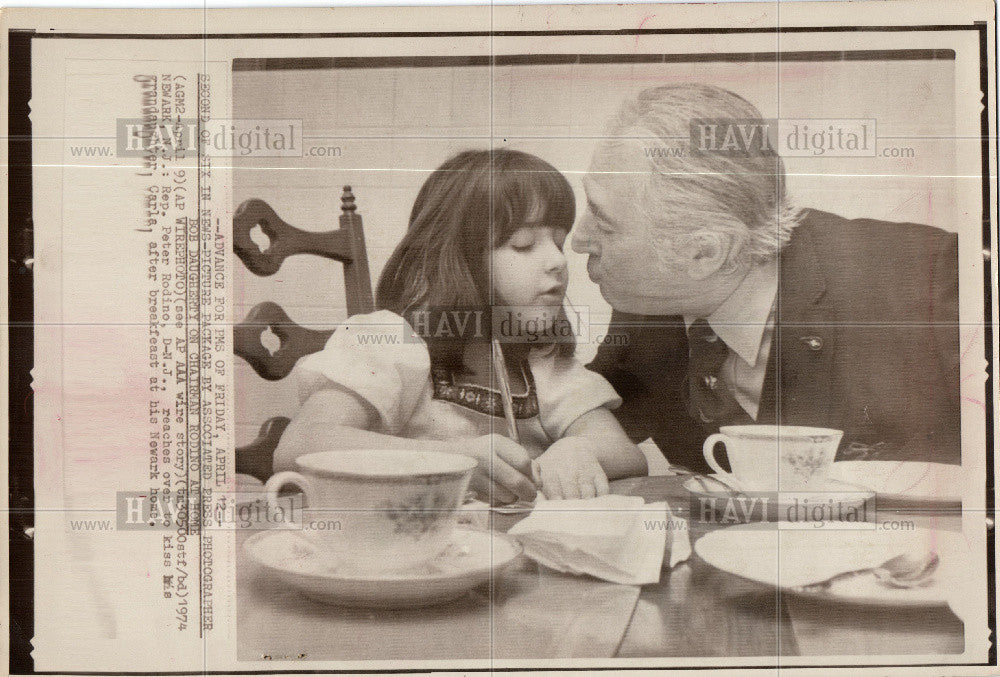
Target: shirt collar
x: 742, y: 318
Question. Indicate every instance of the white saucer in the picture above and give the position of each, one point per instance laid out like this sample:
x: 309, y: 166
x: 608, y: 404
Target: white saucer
x: 835, y: 501
x: 471, y: 559
x: 904, y: 481
x: 789, y: 556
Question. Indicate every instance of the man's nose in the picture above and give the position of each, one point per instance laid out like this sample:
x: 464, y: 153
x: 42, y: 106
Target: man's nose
x: 582, y: 242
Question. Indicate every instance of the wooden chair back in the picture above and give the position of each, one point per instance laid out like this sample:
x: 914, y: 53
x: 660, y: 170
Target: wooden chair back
x: 346, y: 245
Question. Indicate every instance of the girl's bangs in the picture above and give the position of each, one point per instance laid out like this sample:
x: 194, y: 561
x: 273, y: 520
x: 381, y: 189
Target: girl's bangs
x: 533, y: 195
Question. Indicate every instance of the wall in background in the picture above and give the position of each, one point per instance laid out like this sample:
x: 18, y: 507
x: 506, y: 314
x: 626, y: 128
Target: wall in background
x: 382, y: 130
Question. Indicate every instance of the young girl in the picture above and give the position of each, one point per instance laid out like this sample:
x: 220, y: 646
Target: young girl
x: 482, y: 258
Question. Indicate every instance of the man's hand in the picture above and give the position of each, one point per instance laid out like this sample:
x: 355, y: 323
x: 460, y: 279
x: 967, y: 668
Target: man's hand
x: 504, y: 471
x: 569, y: 469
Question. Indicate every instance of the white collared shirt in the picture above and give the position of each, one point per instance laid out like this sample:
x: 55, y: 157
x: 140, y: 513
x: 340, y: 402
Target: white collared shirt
x: 745, y: 323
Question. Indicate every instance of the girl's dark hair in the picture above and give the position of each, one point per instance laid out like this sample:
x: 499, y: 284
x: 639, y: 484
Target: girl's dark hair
x: 472, y: 203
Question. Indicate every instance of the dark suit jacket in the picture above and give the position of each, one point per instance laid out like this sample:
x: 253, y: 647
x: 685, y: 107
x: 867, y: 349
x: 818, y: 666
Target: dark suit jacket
x: 866, y: 341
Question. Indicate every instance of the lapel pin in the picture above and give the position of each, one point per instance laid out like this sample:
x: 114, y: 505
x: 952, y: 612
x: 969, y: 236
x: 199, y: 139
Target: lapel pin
x: 814, y: 342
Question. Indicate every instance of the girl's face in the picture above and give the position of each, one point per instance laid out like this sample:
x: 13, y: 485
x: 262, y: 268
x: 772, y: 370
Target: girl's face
x: 529, y: 271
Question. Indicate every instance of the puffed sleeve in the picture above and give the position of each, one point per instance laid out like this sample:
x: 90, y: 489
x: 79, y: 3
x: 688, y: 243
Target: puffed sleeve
x: 378, y: 357
x: 567, y: 390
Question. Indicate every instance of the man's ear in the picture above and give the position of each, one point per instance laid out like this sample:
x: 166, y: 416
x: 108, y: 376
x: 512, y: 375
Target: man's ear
x: 706, y: 252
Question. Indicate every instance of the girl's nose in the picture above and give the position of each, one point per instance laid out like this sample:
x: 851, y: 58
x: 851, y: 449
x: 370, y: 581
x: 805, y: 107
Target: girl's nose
x: 556, y: 261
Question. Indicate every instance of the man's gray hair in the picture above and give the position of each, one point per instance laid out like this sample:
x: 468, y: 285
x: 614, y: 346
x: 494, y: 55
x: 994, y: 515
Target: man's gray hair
x: 739, y: 193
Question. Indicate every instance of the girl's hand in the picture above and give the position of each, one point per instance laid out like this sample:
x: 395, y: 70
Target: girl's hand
x: 504, y: 472
x: 569, y: 469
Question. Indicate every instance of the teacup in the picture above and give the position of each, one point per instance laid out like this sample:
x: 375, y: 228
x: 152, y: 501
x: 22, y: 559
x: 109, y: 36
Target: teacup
x: 775, y: 458
x: 377, y: 510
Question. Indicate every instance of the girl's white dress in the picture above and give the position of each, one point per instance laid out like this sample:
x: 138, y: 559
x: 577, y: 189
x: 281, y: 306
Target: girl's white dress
x: 380, y: 358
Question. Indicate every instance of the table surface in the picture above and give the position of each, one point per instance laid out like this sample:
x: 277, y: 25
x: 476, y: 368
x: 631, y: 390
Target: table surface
x: 531, y: 612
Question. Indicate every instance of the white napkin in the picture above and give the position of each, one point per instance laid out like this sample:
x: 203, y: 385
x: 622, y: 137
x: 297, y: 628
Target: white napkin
x: 617, y: 538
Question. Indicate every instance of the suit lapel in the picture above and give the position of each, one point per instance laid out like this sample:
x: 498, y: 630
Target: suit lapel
x: 804, y: 339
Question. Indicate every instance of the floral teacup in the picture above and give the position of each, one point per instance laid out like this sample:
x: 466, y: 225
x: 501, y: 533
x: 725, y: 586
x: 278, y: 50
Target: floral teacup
x: 377, y: 510
x: 775, y: 457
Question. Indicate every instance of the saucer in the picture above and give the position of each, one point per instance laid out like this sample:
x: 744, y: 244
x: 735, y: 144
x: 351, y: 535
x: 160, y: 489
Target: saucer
x: 471, y: 558
x: 836, y: 501
x: 910, y: 482
x: 788, y: 556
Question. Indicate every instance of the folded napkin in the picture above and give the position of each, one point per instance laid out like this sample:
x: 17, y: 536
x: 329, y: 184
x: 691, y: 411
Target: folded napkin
x: 621, y: 539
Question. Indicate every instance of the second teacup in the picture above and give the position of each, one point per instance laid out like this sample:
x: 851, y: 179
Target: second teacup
x: 775, y: 457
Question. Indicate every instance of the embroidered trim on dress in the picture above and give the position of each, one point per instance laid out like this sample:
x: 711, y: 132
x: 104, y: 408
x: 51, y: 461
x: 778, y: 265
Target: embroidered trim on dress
x: 482, y: 399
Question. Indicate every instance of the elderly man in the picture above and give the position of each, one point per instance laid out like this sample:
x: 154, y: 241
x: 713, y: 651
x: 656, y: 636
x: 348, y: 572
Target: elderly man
x: 740, y: 309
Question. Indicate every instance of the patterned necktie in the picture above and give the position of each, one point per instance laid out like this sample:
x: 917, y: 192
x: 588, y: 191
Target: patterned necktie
x: 709, y: 398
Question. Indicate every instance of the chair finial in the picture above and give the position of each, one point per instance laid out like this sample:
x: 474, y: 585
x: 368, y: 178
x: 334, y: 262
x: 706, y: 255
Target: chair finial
x: 347, y: 200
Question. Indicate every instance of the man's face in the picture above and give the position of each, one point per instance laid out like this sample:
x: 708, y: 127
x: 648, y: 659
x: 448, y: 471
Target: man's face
x: 626, y: 249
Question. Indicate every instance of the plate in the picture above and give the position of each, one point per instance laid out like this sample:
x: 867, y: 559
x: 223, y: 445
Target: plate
x: 471, y: 559
x: 787, y: 555
x: 904, y: 481
x: 837, y: 501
